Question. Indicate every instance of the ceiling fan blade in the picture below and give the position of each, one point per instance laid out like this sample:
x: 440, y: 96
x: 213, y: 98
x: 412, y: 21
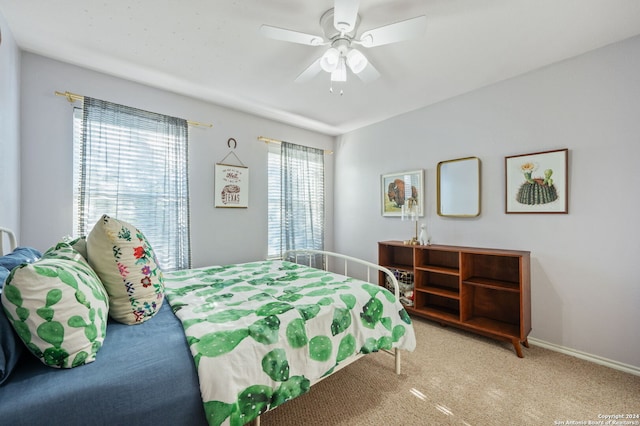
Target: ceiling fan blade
x: 368, y: 74
x: 311, y: 71
x: 345, y: 14
x: 290, y: 35
x: 392, y: 33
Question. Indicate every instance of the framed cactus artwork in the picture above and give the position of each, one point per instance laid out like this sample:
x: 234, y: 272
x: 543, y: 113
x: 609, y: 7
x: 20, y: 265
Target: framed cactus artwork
x: 537, y: 182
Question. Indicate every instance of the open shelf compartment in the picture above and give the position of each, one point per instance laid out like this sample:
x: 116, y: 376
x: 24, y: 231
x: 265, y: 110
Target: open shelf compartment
x: 492, y: 270
x: 444, y: 261
x: 490, y: 309
x: 396, y: 256
x: 436, y: 306
x: 437, y: 283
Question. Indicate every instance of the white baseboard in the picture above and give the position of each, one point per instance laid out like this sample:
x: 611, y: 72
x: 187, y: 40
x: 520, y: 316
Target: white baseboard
x: 587, y: 357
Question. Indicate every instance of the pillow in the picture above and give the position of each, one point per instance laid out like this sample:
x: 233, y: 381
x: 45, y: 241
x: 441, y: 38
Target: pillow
x: 58, y: 307
x: 79, y: 244
x: 4, y: 273
x: 10, y: 347
x: 19, y: 256
x: 124, y: 260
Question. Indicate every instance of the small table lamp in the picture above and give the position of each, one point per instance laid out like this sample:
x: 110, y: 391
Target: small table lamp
x: 410, y: 211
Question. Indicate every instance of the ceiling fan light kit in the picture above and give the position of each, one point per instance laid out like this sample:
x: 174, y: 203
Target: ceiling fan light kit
x: 329, y: 61
x: 340, y: 73
x: 356, y: 61
x: 339, y: 26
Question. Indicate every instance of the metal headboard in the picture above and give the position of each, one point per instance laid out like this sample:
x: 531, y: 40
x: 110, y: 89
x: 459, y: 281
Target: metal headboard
x: 10, y: 236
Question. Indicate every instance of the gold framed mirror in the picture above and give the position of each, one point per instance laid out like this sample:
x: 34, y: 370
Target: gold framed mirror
x: 459, y: 187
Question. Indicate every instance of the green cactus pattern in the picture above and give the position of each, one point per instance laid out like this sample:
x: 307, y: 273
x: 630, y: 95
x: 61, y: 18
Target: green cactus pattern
x: 276, y: 366
x: 296, y: 333
x: 347, y: 347
x: 266, y: 330
x: 294, y: 387
x: 299, y: 322
x: 341, y: 321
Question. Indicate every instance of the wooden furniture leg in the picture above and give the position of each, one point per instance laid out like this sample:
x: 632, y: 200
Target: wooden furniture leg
x: 517, y: 347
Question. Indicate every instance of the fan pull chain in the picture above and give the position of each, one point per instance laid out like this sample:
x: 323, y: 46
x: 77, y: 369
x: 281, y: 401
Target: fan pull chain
x: 331, y: 89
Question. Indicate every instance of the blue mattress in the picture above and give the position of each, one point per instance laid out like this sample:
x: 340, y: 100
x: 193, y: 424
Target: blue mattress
x: 143, y: 375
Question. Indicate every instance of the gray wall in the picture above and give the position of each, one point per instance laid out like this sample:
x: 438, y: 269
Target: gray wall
x: 9, y: 130
x: 585, y: 280
x: 218, y: 235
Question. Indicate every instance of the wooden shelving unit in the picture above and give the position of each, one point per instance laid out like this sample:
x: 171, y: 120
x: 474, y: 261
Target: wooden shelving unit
x: 487, y: 291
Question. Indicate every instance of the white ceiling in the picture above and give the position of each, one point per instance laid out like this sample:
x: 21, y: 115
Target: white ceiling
x: 212, y: 49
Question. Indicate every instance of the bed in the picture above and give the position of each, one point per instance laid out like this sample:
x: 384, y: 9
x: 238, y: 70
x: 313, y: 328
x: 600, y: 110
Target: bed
x: 232, y: 342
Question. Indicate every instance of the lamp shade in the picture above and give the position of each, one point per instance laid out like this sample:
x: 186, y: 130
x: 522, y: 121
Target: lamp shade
x: 340, y: 73
x: 330, y: 59
x: 356, y: 61
x: 409, y: 210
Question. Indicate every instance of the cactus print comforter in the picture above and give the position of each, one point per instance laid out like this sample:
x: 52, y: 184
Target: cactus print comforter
x: 262, y: 333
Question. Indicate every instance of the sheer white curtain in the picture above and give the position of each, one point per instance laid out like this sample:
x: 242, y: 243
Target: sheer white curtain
x: 296, y: 198
x: 133, y: 165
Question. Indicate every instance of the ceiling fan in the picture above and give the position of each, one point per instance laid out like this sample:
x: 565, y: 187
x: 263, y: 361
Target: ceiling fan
x: 339, y: 26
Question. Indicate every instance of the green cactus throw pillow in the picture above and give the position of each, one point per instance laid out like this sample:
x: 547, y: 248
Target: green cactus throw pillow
x: 58, y: 307
x: 125, y: 262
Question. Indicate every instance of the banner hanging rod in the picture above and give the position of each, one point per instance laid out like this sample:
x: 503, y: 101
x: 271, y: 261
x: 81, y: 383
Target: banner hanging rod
x: 276, y: 141
x: 73, y: 97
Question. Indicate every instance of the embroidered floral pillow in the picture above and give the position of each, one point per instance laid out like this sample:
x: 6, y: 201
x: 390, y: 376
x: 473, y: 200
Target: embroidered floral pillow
x: 58, y: 308
x: 124, y: 260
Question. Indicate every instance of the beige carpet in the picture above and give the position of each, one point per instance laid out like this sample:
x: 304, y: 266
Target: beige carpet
x: 458, y: 378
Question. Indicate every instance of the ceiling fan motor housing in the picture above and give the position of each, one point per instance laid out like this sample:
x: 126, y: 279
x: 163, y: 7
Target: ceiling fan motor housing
x: 342, y: 45
x: 331, y: 32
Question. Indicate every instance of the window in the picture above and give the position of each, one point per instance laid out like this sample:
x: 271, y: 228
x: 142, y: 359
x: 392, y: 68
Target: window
x: 132, y: 165
x: 296, y: 198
